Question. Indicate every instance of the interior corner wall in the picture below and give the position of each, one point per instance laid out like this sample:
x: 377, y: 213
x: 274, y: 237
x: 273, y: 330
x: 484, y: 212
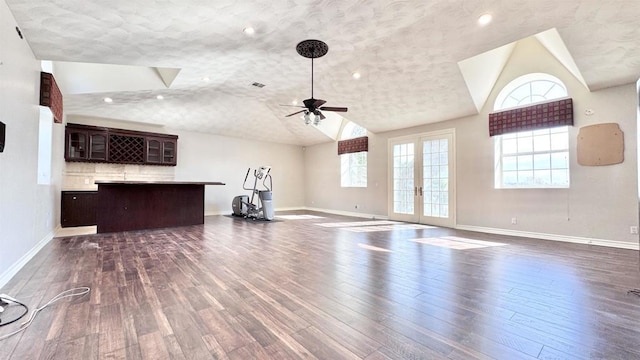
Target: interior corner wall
x: 324, y: 192
x: 601, y: 203
x: 28, y: 211
x: 638, y: 150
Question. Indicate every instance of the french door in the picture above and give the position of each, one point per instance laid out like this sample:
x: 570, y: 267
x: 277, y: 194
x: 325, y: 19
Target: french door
x: 422, y: 178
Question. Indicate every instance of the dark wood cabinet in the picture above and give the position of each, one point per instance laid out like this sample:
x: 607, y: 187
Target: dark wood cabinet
x: 154, y: 151
x: 76, y: 144
x: 169, y: 147
x: 78, y: 208
x: 98, y: 146
x: 124, y: 206
x: 136, y: 205
x: 161, y: 151
x: 101, y: 144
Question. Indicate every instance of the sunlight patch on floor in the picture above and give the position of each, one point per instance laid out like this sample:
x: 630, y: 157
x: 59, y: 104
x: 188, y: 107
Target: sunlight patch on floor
x: 373, y: 248
x: 457, y: 243
x: 298, y: 217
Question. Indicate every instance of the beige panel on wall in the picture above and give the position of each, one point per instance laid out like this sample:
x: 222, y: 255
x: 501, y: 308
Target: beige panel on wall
x: 600, y: 144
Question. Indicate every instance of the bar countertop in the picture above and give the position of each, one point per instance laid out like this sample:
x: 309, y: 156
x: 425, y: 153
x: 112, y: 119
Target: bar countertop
x: 137, y: 182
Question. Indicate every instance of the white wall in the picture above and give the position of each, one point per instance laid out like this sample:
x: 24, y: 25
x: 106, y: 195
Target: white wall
x: 203, y: 157
x: 28, y: 212
x: 601, y: 203
x: 323, y: 190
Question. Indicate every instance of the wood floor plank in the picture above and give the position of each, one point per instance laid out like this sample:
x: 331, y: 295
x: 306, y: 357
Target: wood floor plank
x: 222, y: 327
x: 356, y: 342
x: 292, y: 289
x: 152, y: 346
x: 70, y: 349
x: 111, y: 330
x: 282, y: 334
x: 251, y: 351
x: 323, y: 346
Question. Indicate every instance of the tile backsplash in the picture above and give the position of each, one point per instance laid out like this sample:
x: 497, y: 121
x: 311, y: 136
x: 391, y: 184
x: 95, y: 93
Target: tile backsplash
x: 82, y: 176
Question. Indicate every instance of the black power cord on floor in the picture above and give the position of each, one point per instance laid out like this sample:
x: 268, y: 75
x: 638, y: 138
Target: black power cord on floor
x: 634, y: 292
x: 5, y: 303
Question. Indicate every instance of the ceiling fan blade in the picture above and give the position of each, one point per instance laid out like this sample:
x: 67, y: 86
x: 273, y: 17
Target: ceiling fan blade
x: 318, y: 103
x: 335, y: 109
x: 297, y: 112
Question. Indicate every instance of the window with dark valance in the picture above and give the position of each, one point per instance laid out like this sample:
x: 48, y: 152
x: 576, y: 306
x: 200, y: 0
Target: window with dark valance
x: 50, y: 95
x: 353, y: 145
x: 534, y: 117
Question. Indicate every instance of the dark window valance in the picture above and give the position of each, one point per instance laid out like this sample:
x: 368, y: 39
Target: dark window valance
x: 534, y: 117
x: 50, y: 95
x: 353, y: 145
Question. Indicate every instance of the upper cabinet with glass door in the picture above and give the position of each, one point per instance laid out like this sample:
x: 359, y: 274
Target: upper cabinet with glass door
x: 98, y: 144
x: 76, y: 144
x: 161, y: 151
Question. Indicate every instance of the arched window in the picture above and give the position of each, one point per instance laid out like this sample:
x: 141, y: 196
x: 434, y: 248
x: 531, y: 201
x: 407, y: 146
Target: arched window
x: 353, y: 167
x: 536, y: 158
x: 529, y: 89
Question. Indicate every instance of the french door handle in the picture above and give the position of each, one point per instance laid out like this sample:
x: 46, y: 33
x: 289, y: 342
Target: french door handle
x: 420, y: 190
x: 415, y: 191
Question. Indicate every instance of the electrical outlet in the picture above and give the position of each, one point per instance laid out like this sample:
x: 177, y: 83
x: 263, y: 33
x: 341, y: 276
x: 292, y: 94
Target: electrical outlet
x: 514, y: 221
x: 633, y: 230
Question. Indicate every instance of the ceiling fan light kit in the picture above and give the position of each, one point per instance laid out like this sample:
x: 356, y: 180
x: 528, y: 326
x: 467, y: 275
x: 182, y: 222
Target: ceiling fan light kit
x: 314, y: 49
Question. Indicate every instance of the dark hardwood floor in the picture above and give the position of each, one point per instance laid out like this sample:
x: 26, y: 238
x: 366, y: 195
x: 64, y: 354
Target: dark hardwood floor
x: 299, y: 288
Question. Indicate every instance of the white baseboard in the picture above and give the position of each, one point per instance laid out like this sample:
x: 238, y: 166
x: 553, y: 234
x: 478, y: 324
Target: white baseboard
x: 328, y: 211
x: 348, y: 213
x: 228, y: 212
x: 13, y: 269
x: 552, y: 237
x: 297, y: 208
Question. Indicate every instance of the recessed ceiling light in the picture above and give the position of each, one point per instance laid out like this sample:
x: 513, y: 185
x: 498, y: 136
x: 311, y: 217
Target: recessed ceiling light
x: 108, y: 100
x: 205, y: 79
x: 249, y: 30
x: 159, y: 97
x: 294, y: 102
x: 485, y: 19
x: 356, y: 75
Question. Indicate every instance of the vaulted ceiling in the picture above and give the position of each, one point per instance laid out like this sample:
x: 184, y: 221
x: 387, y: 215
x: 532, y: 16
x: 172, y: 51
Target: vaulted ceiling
x: 415, y: 57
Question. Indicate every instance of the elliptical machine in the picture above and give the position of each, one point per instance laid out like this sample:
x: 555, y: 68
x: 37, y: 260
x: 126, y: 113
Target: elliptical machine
x: 246, y: 208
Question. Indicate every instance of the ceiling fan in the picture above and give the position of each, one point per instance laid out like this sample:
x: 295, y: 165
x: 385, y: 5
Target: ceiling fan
x: 314, y: 49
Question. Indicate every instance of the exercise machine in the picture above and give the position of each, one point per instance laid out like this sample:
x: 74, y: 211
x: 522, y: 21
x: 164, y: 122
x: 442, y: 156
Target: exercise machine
x: 248, y: 208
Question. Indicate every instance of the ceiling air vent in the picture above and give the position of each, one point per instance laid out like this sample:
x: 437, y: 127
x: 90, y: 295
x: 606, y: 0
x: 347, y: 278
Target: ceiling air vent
x: 257, y: 84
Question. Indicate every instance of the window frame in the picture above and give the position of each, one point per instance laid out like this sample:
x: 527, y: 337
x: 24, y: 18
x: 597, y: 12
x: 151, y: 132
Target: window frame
x: 500, y: 156
x: 353, y: 166
x: 499, y: 140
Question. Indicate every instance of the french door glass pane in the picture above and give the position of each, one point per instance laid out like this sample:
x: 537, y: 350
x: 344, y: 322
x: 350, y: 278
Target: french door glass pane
x: 403, y: 184
x: 435, y: 178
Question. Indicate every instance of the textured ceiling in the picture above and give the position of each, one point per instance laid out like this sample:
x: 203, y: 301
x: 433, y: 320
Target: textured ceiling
x: 407, y: 51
